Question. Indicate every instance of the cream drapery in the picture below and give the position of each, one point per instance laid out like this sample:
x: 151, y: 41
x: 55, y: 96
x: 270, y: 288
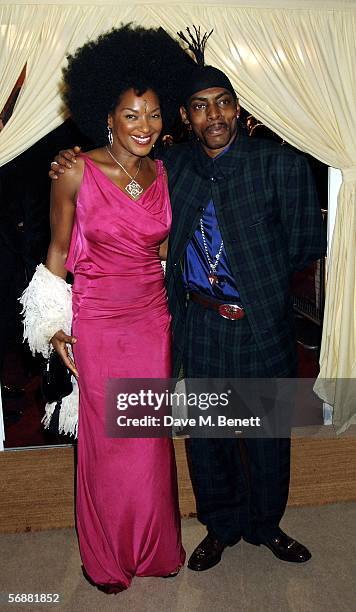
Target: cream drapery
x: 16, y: 42
x: 44, y: 37
x: 293, y: 65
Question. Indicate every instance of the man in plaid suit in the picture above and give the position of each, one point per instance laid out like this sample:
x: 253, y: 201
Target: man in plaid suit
x: 245, y: 216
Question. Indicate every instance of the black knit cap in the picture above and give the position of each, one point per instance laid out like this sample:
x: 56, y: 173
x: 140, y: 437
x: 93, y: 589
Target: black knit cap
x: 205, y: 77
x: 200, y: 76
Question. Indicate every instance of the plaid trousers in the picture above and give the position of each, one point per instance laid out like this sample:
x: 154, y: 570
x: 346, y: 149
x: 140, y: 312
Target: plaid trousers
x: 241, y: 486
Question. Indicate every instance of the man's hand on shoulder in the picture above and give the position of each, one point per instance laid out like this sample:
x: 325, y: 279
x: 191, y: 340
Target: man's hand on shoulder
x: 63, y: 160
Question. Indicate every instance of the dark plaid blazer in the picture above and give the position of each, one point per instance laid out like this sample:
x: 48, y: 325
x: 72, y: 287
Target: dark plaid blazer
x: 271, y: 224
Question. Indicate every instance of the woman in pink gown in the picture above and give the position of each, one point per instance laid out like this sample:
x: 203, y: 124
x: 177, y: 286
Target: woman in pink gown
x: 127, y: 508
x: 110, y: 217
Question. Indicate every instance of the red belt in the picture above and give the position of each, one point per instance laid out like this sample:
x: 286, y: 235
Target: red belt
x: 228, y: 311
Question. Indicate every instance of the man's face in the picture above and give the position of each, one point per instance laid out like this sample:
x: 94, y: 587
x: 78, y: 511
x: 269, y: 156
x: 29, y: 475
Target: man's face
x: 212, y: 114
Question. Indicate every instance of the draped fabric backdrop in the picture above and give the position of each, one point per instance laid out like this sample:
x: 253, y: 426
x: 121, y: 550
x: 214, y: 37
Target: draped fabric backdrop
x: 292, y: 63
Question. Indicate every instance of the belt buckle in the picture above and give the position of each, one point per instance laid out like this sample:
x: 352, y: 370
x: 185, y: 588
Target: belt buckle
x: 231, y: 311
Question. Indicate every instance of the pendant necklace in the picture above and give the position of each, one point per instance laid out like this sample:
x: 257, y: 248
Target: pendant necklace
x: 212, y: 277
x: 133, y: 187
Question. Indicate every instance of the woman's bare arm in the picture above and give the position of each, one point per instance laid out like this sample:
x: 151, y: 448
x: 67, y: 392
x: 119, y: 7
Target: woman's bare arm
x: 63, y: 202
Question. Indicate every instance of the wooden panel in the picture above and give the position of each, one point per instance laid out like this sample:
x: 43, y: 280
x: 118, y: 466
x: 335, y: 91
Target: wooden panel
x: 322, y: 471
x: 37, y: 486
x: 186, y: 495
x: 37, y: 489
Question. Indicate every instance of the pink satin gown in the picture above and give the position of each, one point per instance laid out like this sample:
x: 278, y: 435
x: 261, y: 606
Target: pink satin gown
x: 128, y: 520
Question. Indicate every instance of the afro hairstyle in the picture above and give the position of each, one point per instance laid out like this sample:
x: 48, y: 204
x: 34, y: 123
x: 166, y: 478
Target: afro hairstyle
x: 127, y: 57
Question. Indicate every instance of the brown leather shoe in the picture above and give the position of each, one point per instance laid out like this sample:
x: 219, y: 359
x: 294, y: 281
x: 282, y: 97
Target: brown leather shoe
x: 285, y: 548
x: 207, y: 554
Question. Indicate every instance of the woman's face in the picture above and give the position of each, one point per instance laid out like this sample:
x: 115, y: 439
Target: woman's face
x: 136, y: 122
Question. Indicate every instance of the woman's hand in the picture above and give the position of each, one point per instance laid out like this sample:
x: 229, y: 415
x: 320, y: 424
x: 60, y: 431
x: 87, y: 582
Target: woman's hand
x: 63, y: 160
x: 59, y: 342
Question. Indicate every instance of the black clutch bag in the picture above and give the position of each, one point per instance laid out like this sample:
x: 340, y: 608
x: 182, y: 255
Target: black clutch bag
x: 56, y: 384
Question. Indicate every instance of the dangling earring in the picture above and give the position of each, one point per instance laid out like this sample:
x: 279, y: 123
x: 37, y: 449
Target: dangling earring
x: 110, y: 138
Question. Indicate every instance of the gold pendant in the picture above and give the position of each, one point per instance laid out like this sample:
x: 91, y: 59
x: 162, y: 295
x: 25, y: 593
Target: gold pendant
x: 134, y: 189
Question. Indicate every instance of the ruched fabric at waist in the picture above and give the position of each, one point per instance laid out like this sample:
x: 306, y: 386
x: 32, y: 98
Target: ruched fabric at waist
x: 111, y: 296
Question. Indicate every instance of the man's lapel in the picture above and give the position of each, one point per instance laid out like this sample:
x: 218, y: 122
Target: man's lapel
x: 189, y: 196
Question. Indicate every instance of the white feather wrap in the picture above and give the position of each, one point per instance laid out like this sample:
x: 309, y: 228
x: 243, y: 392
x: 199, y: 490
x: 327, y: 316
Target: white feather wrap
x: 47, y: 308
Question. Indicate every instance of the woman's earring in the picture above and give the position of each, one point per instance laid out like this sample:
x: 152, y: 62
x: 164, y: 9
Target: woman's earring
x: 110, y: 138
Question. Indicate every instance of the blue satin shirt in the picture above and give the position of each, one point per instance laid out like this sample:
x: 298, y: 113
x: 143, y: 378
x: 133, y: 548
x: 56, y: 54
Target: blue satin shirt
x: 196, y: 268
